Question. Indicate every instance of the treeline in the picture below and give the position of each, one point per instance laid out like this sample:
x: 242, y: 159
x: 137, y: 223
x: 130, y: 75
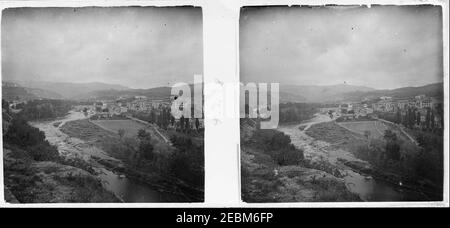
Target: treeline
x: 160, y: 117
x: 163, y: 118
x: 45, y: 109
x: 297, y: 112
x: 185, y: 160
x: 30, y: 139
x: 412, y: 119
x: 422, y: 164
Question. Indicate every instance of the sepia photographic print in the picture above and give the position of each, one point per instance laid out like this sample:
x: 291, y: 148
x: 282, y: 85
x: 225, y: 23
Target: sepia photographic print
x: 92, y: 109
x: 361, y: 103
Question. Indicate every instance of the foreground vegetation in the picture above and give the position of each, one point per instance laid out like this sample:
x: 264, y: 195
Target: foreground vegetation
x: 297, y: 112
x: 177, y: 168
x: 273, y: 170
x: 393, y: 156
x: 34, y: 172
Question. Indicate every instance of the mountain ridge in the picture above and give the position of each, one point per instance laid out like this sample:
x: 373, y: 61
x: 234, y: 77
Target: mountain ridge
x: 67, y: 90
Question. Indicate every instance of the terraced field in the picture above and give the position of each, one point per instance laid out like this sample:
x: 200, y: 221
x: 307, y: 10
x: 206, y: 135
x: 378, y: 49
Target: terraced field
x: 376, y: 128
x: 131, y: 127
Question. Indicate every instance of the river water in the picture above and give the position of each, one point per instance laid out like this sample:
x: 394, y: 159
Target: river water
x: 124, y: 188
x: 366, y: 187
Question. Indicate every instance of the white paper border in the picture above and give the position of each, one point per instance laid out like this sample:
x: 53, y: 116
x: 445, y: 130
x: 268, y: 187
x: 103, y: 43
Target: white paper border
x: 221, y: 64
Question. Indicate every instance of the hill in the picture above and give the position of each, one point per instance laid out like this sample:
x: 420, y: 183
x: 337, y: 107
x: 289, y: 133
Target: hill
x: 156, y: 93
x: 431, y: 90
x: 313, y: 93
x: 67, y: 90
x: 336, y: 93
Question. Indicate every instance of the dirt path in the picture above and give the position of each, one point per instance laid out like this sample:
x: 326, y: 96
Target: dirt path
x: 153, y: 127
x: 401, y: 130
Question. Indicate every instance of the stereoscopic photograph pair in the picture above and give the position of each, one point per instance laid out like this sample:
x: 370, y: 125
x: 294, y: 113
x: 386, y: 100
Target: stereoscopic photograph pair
x: 105, y: 104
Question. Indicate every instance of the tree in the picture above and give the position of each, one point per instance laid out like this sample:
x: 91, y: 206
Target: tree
x: 418, y: 119
x: 428, y: 119
x: 412, y: 118
x: 172, y: 120
x: 187, y: 126
x: 146, y: 149
x: 432, y: 120
x: 152, y: 116
x: 398, y: 117
x: 121, y: 133
x: 392, y: 145
x: 389, y: 135
x: 367, y: 134
x: 197, y: 124
x: 182, y: 123
x: 143, y: 135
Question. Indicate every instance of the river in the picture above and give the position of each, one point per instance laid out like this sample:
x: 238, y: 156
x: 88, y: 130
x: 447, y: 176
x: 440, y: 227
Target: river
x: 124, y: 188
x: 366, y: 187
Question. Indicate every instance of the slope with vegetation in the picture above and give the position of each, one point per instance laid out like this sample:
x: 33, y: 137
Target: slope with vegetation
x: 176, y: 169
x: 34, y: 172
x: 273, y: 170
x: 392, y: 157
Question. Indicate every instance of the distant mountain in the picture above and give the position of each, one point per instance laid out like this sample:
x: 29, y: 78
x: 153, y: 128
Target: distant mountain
x: 286, y: 97
x: 336, y: 93
x: 157, y: 93
x: 41, y: 93
x: 313, y: 93
x: 431, y: 90
x: 14, y: 91
x: 68, y: 90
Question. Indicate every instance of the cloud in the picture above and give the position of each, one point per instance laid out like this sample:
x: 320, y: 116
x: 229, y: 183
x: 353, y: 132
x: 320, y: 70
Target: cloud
x: 381, y: 46
x: 140, y: 47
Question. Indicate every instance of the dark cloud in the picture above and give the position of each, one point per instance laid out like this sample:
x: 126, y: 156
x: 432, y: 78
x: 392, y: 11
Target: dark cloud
x: 140, y: 47
x: 380, y: 47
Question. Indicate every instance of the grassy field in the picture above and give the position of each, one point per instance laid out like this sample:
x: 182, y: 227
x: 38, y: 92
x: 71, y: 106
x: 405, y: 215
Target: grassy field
x: 131, y: 127
x: 333, y: 133
x: 376, y: 128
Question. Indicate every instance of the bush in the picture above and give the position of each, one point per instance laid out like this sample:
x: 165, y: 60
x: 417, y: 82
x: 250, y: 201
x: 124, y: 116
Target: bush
x: 43, y: 152
x: 31, y: 140
x: 287, y: 156
x: 278, y: 146
x: 187, y: 162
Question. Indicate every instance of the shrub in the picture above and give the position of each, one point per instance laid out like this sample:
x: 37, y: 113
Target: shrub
x: 31, y: 140
x: 43, y: 152
x: 287, y: 156
x: 187, y: 161
x: 278, y: 146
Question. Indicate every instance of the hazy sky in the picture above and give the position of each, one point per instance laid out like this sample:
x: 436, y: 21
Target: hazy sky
x: 131, y: 46
x: 379, y: 47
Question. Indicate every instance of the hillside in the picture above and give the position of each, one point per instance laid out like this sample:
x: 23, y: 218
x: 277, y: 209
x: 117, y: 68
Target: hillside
x: 312, y: 93
x: 298, y: 93
x: 155, y: 93
x: 431, y: 90
x: 17, y: 93
x: 13, y: 91
x: 67, y: 90
x: 158, y: 93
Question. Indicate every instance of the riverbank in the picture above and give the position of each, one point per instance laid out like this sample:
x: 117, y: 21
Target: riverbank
x: 140, y: 170
x: 397, y: 175
x: 274, y: 169
x: 264, y: 181
x: 30, y: 181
